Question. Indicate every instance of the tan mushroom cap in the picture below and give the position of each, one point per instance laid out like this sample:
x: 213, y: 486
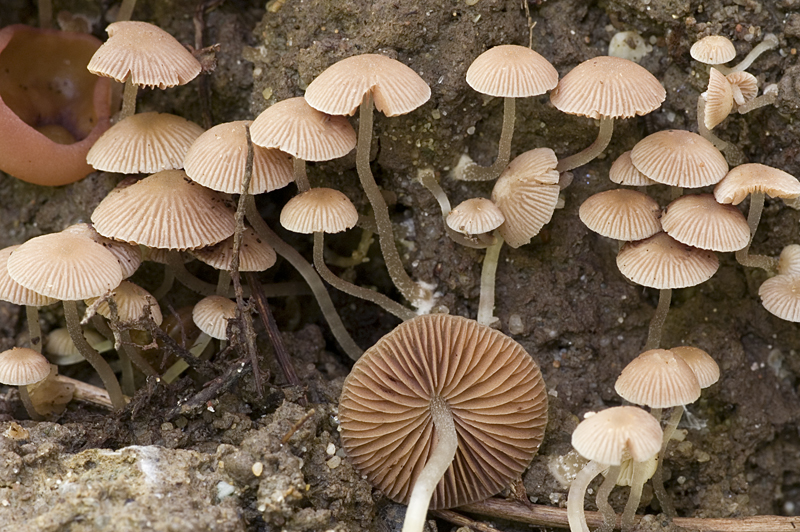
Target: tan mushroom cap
x: 780, y: 295
x: 511, y: 71
x: 322, y: 210
x: 662, y: 262
x: 623, y: 172
x: 680, y: 159
x: 150, y: 55
x: 659, y: 379
x: 608, y: 87
x: 15, y: 293
x: 218, y: 157
x: 300, y: 130
x: 719, y: 99
x: 129, y: 257
x: 705, y: 368
x: 255, y: 255
x: 494, y: 390
x: 713, y: 50
x: 21, y: 366
x: 605, y: 436
x: 621, y: 214
x: 144, y: 143
x: 165, y: 210
x: 65, y: 266
x: 395, y: 88
x: 211, y: 315
x: 699, y: 221
x: 131, y: 301
x: 61, y: 350
x: 788, y: 262
x: 527, y: 193
x: 475, y: 216
x: 754, y: 177
x: 744, y: 86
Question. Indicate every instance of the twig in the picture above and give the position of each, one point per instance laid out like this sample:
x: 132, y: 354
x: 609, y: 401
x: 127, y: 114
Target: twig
x: 213, y: 389
x: 297, y: 426
x: 88, y: 393
x: 460, y: 520
x: 203, y: 83
x: 203, y: 367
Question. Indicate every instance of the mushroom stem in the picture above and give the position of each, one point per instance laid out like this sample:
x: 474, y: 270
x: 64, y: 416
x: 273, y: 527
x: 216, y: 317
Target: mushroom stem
x: 577, y: 491
x: 476, y: 172
x: 34, y: 328
x: 410, y: 290
x: 175, y: 263
x: 438, y: 463
x: 768, y: 98
x: 658, y: 319
x: 125, y: 10
x: 134, y: 355
x: 28, y: 404
x: 128, y: 387
x: 309, y: 274
x: 128, y: 99
x: 488, y: 273
x: 770, y: 41
x: 658, y: 477
x: 733, y: 154
x: 93, y: 357
x: 609, y: 515
x: 386, y: 303
x: 223, y: 283
x: 637, y: 483
x: 300, y: 175
x: 166, y: 283
x: 595, y: 149
x: 198, y: 349
x: 743, y: 256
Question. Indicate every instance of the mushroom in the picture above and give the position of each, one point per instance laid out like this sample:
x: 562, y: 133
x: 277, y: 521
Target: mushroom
x: 718, y: 49
x: 699, y: 221
x: 21, y: 367
x: 621, y: 214
x: 623, y: 172
x: 780, y: 295
x: 62, y: 351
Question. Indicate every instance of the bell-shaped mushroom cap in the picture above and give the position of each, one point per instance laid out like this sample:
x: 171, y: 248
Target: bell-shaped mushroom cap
x: 608, y: 87
x: 605, y: 436
x: 144, y: 143
x: 300, y: 130
x: 131, y: 301
x: 780, y: 295
x: 511, y: 71
x: 61, y: 350
x: 65, y: 266
x: 494, y: 390
x: 150, y: 55
x: 788, y: 262
x: 744, y: 86
x: 526, y: 193
x: 475, y: 216
x: 621, y: 214
x: 719, y: 99
x: 623, y: 172
x: 322, y: 210
x: 218, y: 157
x: 15, y: 293
x: 21, y: 366
x: 662, y: 262
x: 659, y: 379
x: 754, y: 177
x: 165, y: 210
x: 211, y: 315
x: 699, y: 221
x: 713, y: 50
x: 705, y: 368
x: 129, y: 257
x: 255, y: 255
x: 680, y: 159
x: 396, y: 88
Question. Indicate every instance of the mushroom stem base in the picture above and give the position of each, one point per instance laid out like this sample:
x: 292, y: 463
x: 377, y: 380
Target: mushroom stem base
x: 596, y: 148
x: 476, y: 172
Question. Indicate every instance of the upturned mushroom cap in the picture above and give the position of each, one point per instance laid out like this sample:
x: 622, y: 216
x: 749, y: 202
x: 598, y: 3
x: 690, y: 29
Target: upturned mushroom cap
x: 621, y: 214
x: 754, y: 177
x: 659, y: 379
x: 165, y: 210
x: 680, y: 159
x: 339, y: 90
x: 662, y: 262
x: 719, y: 99
x: 255, y: 255
x: 788, y: 262
x: 494, y: 390
x: 623, y: 172
x: 608, y: 87
x: 131, y: 301
x: 15, y: 293
x: 144, y: 143
x: 511, y: 71
x: 65, y: 266
x: 129, y: 257
x: 211, y: 315
x: 300, y: 130
x: 699, y: 221
x: 744, y: 86
x: 150, y: 55
x: 705, y: 368
x: 606, y: 435
x: 475, y: 216
x: 713, y: 50
x: 527, y: 193
x: 21, y: 366
x: 322, y: 210
x: 780, y: 295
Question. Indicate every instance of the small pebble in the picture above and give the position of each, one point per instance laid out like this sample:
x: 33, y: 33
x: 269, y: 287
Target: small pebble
x: 331, y: 449
x: 257, y: 469
x: 334, y: 462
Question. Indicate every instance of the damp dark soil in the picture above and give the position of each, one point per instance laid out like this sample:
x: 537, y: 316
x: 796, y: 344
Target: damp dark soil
x: 270, y: 458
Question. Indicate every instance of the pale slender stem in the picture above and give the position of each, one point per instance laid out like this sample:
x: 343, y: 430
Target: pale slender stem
x: 223, y: 283
x: 609, y: 515
x: 770, y: 41
x: 25, y: 397
x: 637, y: 483
x: 175, y: 370
x: 743, y: 256
x: 386, y: 303
x: 185, y: 277
x: 309, y: 274
x: 128, y: 99
x: 759, y: 102
x: 488, y: 275
x: 410, y: 290
x: 45, y: 14
x: 300, y: 176
x: 667, y: 507
x: 577, y: 492
x: 440, y: 459
x: 34, y: 328
x: 93, y: 357
x: 359, y: 256
x: 476, y: 172
x: 166, y: 283
x: 596, y: 148
x: 125, y: 10
x: 128, y: 388
x: 658, y: 319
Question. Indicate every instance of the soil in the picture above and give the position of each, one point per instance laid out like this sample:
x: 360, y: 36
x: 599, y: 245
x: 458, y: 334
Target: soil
x: 270, y: 458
